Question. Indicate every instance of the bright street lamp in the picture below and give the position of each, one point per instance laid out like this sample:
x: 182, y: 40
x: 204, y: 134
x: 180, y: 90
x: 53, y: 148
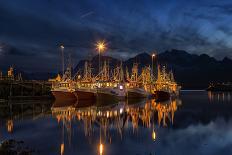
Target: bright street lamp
x: 100, y: 46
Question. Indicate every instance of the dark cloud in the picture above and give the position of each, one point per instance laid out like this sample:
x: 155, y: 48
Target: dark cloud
x: 223, y: 8
x: 36, y: 29
x: 8, y: 50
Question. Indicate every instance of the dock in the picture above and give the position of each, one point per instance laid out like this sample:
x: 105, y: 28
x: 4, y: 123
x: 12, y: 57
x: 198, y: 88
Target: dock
x: 13, y: 87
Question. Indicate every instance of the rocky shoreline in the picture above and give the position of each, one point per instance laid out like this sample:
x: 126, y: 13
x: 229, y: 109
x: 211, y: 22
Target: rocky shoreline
x: 13, y: 147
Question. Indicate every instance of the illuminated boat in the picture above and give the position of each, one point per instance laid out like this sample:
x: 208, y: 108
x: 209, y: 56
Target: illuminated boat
x: 165, y: 85
x: 110, y: 88
x: 85, y: 94
x: 111, y: 93
x: 137, y: 93
x: 63, y: 88
x: 85, y: 87
x: 136, y: 84
x: 63, y: 91
x: 220, y: 87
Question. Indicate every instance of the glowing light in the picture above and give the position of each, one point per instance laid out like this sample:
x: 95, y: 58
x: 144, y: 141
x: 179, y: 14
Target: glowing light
x: 153, y: 55
x: 10, y: 126
x: 121, y: 87
x: 101, y: 46
x: 62, y: 149
x: 58, y: 117
x: 101, y: 149
x: 121, y: 110
x: 115, y: 113
x: 62, y: 47
x: 153, y: 135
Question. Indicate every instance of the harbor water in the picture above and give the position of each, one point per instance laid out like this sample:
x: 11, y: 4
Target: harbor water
x: 198, y: 122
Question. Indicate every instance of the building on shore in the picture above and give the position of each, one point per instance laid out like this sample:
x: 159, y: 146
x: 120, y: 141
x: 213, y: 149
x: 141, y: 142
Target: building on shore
x: 11, y: 75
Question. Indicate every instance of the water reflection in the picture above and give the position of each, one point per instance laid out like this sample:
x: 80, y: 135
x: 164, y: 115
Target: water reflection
x: 18, y: 110
x: 10, y: 125
x: 101, y: 119
x: 117, y: 114
x: 132, y: 127
x: 219, y: 96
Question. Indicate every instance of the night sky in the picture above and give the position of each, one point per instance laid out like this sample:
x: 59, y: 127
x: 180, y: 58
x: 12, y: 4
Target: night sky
x: 32, y: 30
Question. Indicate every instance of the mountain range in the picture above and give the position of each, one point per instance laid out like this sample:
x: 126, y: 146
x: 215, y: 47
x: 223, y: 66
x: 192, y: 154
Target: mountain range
x: 191, y: 71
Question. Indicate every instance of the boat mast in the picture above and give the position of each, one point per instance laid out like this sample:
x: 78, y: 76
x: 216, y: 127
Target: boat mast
x: 87, y: 72
x: 121, y: 77
x: 62, y: 58
x: 134, y: 76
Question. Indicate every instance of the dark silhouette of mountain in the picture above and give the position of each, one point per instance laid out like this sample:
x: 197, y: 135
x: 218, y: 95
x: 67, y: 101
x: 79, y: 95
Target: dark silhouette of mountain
x: 143, y: 59
x: 95, y: 63
x: 190, y: 70
x: 196, y: 71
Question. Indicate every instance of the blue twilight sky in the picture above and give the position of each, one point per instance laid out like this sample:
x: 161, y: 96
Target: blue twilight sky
x: 32, y: 30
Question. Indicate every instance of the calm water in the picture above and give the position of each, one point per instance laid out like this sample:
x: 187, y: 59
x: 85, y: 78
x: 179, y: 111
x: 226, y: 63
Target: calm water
x: 196, y: 123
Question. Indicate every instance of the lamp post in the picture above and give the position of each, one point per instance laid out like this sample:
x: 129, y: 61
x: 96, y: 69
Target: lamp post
x: 100, y: 46
x: 152, y: 64
x: 62, y: 55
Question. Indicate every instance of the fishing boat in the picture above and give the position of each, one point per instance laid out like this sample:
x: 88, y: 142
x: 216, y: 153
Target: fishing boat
x: 111, y: 93
x: 223, y: 87
x: 137, y: 93
x: 85, y: 94
x: 85, y: 88
x: 114, y: 85
x: 111, y: 88
x: 136, y: 85
x: 63, y: 91
x: 165, y: 85
x: 63, y: 88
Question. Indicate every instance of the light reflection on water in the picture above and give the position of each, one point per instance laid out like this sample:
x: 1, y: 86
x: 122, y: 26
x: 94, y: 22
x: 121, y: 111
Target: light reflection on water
x: 133, y: 127
x: 120, y: 116
x: 219, y: 96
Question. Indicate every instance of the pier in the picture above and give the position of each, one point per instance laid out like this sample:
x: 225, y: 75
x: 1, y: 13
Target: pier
x: 14, y: 87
